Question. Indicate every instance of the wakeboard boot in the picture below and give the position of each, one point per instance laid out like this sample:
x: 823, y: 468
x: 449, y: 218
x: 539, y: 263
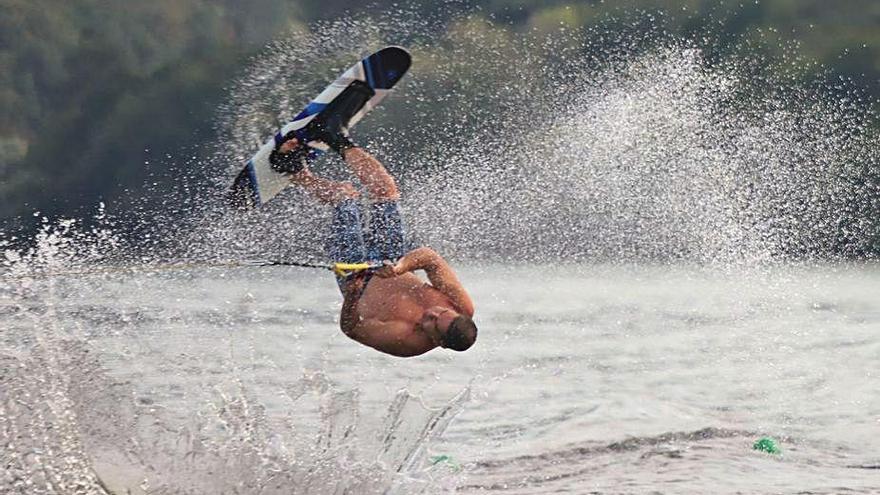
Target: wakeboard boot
x: 331, y: 125
x: 291, y: 162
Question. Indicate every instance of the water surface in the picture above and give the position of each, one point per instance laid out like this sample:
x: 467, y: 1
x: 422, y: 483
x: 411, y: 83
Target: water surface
x: 585, y: 378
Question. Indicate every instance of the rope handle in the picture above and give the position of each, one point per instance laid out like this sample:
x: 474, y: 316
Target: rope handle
x: 346, y: 269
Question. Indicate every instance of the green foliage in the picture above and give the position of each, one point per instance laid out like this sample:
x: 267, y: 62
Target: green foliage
x: 87, y: 84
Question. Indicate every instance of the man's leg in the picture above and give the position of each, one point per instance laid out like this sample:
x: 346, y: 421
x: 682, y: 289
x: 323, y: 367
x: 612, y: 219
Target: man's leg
x: 385, y: 237
x: 379, y: 183
x: 324, y: 190
x: 345, y: 241
x: 331, y: 127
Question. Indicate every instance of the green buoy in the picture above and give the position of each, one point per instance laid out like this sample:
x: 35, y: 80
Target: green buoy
x: 445, y: 459
x: 766, y: 444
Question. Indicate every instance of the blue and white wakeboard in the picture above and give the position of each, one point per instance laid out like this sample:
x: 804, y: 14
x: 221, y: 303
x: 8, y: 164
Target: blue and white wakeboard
x: 258, y: 182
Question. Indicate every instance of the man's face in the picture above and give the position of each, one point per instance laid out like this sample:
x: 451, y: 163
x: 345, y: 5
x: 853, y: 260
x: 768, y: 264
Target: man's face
x: 435, y: 322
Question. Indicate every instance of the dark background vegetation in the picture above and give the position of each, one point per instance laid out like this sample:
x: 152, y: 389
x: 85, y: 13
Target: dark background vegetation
x: 93, y: 89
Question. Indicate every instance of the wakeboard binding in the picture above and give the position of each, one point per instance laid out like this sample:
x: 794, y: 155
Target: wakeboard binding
x: 331, y: 125
x: 291, y: 162
x: 322, y: 125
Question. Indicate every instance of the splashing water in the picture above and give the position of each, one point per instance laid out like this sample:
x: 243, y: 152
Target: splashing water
x: 648, y: 147
x: 508, y: 147
x: 70, y: 424
x: 661, y: 157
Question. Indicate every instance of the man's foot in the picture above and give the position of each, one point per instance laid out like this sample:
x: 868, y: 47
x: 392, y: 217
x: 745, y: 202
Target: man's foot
x: 331, y: 125
x: 290, y: 156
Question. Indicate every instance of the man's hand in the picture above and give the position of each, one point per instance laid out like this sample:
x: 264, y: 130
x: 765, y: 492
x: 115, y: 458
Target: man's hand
x: 288, y: 146
x: 423, y: 258
x: 418, y: 259
x: 388, y: 270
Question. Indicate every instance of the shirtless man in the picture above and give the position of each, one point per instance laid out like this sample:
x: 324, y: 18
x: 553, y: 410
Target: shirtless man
x: 389, y: 309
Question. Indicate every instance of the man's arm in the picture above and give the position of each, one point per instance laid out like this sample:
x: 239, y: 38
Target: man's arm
x: 349, y: 317
x: 440, y: 274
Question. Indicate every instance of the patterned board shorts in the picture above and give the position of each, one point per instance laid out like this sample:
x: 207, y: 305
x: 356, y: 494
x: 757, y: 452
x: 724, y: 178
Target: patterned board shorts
x: 354, y: 239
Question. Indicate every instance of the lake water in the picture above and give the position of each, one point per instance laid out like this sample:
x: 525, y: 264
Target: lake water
x: 584, y: 379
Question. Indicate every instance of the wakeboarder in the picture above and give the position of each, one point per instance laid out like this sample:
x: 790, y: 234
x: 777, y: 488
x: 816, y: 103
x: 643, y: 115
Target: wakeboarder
x: 389, y: 308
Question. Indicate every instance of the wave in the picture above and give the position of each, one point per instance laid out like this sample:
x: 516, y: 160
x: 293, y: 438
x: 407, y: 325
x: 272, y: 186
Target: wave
x: 68, y: 424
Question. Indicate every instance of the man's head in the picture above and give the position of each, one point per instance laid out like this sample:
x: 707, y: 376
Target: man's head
x: 449, y: 329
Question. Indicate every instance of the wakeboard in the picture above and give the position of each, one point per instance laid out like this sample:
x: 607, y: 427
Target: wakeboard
x: 258, y: 182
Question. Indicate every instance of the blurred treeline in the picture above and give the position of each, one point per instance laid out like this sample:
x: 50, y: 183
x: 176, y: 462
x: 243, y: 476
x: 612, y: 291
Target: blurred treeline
x: 93, y: 89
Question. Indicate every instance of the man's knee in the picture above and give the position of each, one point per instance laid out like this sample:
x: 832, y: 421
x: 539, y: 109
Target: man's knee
x: 384, y: 189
